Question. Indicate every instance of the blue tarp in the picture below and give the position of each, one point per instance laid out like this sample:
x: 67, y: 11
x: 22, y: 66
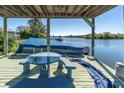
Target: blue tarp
x: 42, y: 43
x: 100, y: 80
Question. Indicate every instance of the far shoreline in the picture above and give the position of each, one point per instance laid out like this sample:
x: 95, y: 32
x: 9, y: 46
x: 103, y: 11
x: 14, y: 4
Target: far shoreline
x: 97, y: 38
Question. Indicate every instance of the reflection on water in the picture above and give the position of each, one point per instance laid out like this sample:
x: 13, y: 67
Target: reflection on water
x: 108, y: 51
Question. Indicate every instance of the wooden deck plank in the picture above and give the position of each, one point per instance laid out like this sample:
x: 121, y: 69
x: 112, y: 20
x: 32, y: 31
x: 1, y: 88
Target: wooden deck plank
x: 10, y: 73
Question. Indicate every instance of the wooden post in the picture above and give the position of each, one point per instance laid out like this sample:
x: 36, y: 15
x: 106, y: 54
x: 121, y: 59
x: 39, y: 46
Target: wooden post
x: 91, y: 23
x: 48, y: 44
x: 48, y: 34
x: 93, y: 37
x: 5, y: 37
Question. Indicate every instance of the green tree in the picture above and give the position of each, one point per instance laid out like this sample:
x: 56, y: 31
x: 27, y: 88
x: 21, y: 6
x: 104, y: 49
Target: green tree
x: 36, y: 26
x: 25, y: 34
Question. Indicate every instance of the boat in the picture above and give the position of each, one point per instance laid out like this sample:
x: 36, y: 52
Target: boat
x: 59, y: 38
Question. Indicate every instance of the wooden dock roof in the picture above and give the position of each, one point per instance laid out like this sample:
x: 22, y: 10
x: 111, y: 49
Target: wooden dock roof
x: 53, y: 11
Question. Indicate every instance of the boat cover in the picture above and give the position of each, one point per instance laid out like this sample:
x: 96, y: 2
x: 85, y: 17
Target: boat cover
x: 100, y: 80
x: 42, y: 43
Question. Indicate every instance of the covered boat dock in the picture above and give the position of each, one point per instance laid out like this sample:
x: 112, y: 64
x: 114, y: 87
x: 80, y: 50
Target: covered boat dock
x: 12, y: 77
x: 88, y: 13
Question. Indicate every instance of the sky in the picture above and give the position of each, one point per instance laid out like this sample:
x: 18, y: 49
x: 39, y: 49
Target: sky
x: 111, y: 21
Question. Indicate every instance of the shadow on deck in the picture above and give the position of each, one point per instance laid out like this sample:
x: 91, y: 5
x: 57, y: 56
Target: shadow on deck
x: 55, y: 82
x: 19, y: 56
x: 25, y: 81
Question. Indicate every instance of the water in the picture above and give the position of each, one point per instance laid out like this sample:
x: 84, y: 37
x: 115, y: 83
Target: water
x: 107, y: 51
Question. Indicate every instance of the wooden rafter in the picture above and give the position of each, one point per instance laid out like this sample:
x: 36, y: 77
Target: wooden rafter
x: 66, y: 10
x: 23, y: 13
x: 34, y: 11
x: 103, y: 11
x: 31, y: 9
x: 17, y: 11
x: 45, y: 8
x: 9, y: 9
x: 74, y: 9
x: 42, y: 10
x: 38, y: 10
x: 99, y: 11
x: 83, y: 9
x: 60, y: 10
x: 90, y: 10
x: 2, y: 15
x: 26, y: 10
x: 53, y: 10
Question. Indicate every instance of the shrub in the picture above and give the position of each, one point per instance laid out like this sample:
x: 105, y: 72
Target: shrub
x: 25, y: 34
x: 28, y: 33
x: 12, y: 44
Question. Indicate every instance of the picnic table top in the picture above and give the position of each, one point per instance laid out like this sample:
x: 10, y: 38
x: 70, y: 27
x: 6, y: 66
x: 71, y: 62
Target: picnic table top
x: 43, y: 58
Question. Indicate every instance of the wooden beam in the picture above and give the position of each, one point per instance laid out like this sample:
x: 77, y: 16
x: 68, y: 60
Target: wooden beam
x: 53, y: 10
x: 89, y: 22
x: 57, y: 10
x: 46, y: 11
x: 19, y: 12
x: 91, y: 9
x: 32, y: 9
x: 104, y: 10
x: 74, y: 9
x: 93, y: 38
x: 26, y: 10
x: 60, y: 10
x: 38, y: 8
x: 22, y: 11
x: 66, y: 10
x: 48, y: 34
x: 95, y: 12
x: 4, y: 13
x: 35, y: 10
x: 5, y: 37
x: 69, y: 17
x: 10, y: 10
x: 99, y: 11
x: 83, y: 9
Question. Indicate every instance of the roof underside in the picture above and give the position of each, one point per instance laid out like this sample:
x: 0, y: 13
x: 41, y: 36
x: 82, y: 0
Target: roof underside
x: 53, y: 11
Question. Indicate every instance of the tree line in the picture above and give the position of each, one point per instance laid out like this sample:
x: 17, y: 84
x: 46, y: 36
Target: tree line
x: 105, y: 35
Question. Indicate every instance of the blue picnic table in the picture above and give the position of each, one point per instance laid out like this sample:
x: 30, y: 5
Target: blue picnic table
x: 44, y: 60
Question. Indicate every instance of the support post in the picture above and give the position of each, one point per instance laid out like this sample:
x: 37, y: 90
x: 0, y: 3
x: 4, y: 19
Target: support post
x: 48, y: 45
x: 93, y: 37
x: 5, y: 37
x: 48, y: 34
x: 91, y: 23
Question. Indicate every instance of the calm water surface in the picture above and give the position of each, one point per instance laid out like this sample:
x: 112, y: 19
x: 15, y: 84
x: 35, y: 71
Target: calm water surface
x: 107, y: 51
